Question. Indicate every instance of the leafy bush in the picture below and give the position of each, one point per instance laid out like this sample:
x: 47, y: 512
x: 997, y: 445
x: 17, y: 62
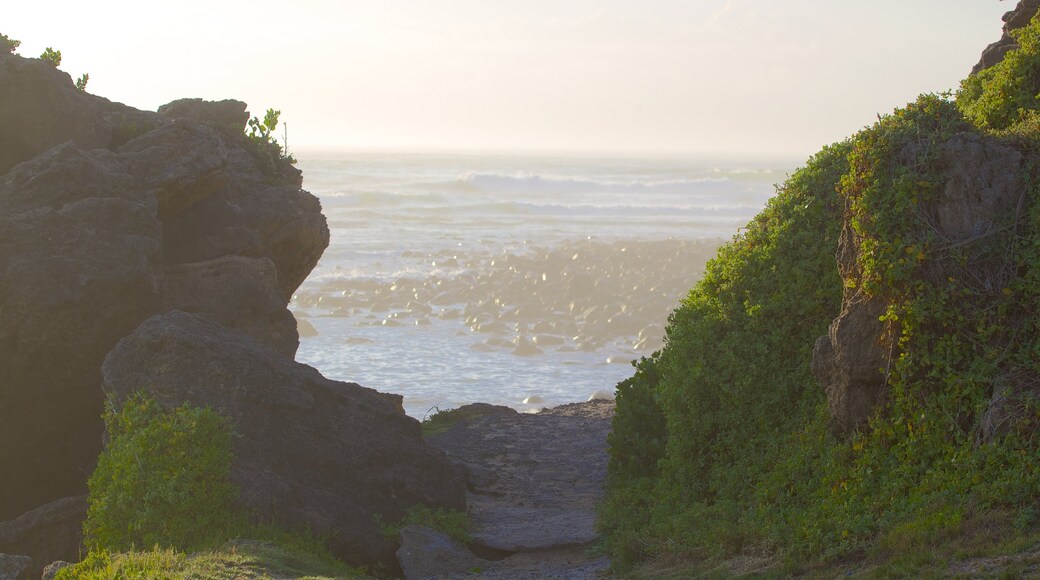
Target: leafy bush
x: 699, y: 423
x: 162, y: 479
x: 52, y: 56
x: 8, y: 45
x: 81, y: 82
x: 268, y: 152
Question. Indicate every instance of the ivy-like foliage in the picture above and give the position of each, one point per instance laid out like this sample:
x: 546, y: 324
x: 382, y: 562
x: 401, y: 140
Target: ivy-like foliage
x: 721, y: 440
x: 700, y: 422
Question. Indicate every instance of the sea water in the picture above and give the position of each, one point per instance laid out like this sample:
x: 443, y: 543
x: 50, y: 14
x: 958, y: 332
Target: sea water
x: 526, y: 281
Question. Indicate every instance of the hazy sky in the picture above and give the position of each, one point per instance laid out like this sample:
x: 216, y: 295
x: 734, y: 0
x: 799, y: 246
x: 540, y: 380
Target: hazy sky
x: 651, y: 76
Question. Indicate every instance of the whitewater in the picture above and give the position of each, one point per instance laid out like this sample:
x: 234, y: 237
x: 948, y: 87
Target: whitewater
x: 526, y: 281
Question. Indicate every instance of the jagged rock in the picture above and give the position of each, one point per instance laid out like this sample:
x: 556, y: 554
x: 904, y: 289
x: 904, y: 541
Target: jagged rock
x: 40, y: 108
x: 237, y: 292
x: 75, y: 277
x: 48, y: 533
x: 14, y: 567
x: 228, y: 114
x: 1013, y: 20
x: 310, y: 451
x: 426, y: 553
x: 50, y: 571
x: 849, y: 361
x: 109, y: 215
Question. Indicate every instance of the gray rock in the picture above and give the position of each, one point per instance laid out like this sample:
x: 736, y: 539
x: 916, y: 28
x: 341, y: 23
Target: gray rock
x: 41, y: 108
x: 48, y: 533
x: 228, y: 114
x: 14, y: 567
x: 50, y: 571
x: 310, y: 451
x: 238, y: 292
x: 848, y: 362
x: 427, y: 553
x: 512, y: 528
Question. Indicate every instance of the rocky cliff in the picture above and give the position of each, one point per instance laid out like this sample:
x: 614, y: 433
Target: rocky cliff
x: 111, y: 217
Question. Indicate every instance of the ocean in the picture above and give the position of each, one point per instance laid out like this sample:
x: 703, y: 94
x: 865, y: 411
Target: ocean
x: 526, y: 281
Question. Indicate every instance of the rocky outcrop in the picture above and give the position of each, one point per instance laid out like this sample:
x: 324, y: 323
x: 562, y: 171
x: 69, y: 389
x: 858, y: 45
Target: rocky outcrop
x: 45, y: 534
x: 983, y: 186
x: 427, y: 553
x: 310, y: 452
x: 41, y: 109
x: 14, y: 567
x: 1013, y: 20
x: 109, y: 215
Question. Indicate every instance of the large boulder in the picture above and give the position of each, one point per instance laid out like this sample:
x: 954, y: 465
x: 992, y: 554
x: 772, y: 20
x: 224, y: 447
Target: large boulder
x: 109, y: 215
x: 47, y: 533
x: 312, y: 452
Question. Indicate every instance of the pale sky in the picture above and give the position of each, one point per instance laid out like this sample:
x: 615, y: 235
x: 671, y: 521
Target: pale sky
x: 758, y: 77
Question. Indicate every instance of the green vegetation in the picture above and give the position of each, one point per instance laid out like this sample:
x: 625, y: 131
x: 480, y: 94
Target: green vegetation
x: 162, y: 482
x: 81, y: 82
x: 52, y: 56
x: 269, y: 153
x: 721, y: 445
x: 235, y: 560
x: 8, y: 45
x: 441, y: 421
x: 162, y: 479
x: 454, y: 523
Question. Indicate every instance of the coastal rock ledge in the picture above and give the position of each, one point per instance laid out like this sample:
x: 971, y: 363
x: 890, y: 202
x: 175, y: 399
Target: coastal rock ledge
x: 173, y: 221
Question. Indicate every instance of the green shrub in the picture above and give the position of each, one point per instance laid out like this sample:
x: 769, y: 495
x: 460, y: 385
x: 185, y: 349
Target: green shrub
x: 747, y: 459
x: 1006, y: 93
x: 52, y: 56
x: 8, y: 45
x: 268, y: 152
x: 700, y: 421
x: 162, y: 479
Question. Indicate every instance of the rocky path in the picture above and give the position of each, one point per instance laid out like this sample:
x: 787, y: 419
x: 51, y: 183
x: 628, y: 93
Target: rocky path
x: 533, y: 484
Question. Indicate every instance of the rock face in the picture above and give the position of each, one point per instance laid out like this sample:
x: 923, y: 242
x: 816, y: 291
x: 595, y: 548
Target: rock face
x: 311, y: 451
x: 427, y: 553
x: 48, y: 533
x: 14, y: 567
x: 109, y: 215
x: 983, y: 185
x: 1013, y: 20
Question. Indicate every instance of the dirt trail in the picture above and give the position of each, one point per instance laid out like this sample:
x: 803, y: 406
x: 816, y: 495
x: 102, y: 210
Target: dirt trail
x: 534, y: 481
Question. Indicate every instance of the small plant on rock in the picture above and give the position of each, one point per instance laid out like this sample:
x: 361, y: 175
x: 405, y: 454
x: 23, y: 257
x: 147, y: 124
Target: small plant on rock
x: 269, y: 152
x: 8, y: 45
x: 52, y: 56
